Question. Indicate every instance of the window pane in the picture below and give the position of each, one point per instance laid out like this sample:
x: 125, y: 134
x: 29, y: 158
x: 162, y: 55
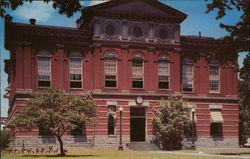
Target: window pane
x: 75, y: 70
x: 111, y: 125
x: 110, y: 70
x: 137, y: 73
x: 187, y: 77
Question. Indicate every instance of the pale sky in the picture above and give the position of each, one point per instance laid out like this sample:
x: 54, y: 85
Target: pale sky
x: 44, y: 14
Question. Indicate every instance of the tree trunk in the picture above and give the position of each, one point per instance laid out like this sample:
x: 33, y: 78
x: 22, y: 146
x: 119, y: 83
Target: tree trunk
x: 61, y: 146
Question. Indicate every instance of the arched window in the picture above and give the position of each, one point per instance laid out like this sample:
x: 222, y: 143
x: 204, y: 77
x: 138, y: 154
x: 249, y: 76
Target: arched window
x: 111, y: 125
x: 110, y: 69
x: 44, y: 68
x: 163, y: 72
x: 75, y: 69
x: 137, y: 70
x: 187, y: 75
x: 214, y: 76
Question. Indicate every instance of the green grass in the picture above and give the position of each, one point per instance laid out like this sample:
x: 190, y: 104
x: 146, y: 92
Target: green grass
x: 109, y: 154
x: 225, y: 151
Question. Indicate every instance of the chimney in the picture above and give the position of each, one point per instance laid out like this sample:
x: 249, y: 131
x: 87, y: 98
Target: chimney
x: 199, y: 34
x: 32, y: 21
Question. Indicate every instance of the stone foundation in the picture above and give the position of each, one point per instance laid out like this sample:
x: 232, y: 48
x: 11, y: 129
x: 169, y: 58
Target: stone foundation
x: 33, y: 142
x: 218, y: 142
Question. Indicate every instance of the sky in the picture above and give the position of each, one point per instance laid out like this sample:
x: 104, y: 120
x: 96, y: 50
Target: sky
x: 197, y: 21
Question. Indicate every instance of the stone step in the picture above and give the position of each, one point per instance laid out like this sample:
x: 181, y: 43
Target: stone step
x: 142, y: 146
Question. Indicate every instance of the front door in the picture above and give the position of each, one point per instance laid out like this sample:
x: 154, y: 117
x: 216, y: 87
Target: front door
x: 137, y: 123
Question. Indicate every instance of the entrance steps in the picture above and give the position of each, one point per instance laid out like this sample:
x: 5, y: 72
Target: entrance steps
x: 142, y: 146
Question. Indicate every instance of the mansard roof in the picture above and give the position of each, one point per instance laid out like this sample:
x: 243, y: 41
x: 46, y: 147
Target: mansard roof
x: 150, y: 10
x: 19, y: 32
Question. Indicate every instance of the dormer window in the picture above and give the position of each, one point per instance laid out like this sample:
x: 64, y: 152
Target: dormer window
x: 44, y: 68
x: 75, y: 69
x: 137, y: 31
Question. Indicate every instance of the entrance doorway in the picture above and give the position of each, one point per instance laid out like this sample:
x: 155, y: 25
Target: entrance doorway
x: 137, y: 123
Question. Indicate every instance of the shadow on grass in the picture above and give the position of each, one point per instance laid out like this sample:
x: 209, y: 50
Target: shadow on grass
x: 239, y: 153
x: 60, y: 156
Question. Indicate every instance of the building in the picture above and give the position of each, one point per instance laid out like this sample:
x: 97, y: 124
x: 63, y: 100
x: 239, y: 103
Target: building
x: 123, y: 59
x: 3, y: 122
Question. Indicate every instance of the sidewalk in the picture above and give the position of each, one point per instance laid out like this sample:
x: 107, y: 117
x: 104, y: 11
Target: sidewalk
x: 201, y: 154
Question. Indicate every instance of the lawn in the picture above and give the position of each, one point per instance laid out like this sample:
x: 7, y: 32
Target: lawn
x: 108, y: 154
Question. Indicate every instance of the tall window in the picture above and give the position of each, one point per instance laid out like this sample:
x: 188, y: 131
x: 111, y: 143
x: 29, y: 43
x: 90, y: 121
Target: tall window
x: 110, y: 70
x: 214, y: 77
x: 111, y: 125
x: 187, y: 75
x: 75, y: 69
x: 137, y: 71
x: 78, y: 130
x: 163, y: 72
x: 44, y: 68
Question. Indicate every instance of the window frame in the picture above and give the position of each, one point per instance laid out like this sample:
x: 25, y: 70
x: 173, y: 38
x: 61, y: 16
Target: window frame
x: 187, y: 62
x: 110, y: 56
x: 138, y: 57
x: 211, y: 78
x: 164, y: 58
x: 44, y: 54
x: 80, y: 57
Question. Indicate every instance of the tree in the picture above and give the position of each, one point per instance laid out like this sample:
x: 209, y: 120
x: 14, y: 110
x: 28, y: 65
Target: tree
x: 63, y: 6
x: 244, y: 94
x: 238, y: 39
x: 170, y: 121
x: 56, y: 112
x: 5, y: 139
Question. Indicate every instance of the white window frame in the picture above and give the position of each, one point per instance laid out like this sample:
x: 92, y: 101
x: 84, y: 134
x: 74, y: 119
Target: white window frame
x: 135, y: 75
x: 164, y: 59
x: 71, y: 57
x: 44, y: 54
x: 188, y: 62
x: 111, y: 56
x: 214, y: 77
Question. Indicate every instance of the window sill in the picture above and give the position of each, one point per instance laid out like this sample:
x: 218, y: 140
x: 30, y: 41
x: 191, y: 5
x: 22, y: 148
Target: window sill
x: 138, y: 89
x: 164, y: 89
x: 76, y: 89
x: 43, y: 87
x: 114, y: 88
x: 188, y: 92
x: 112, y: 136
x: 215, y: 93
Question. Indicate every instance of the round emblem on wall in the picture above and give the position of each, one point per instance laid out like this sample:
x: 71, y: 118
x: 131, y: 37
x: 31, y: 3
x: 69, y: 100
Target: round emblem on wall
x: 137, y: 31
x: 139, y: 100
x: 163, y: 33
x: 110, y: 29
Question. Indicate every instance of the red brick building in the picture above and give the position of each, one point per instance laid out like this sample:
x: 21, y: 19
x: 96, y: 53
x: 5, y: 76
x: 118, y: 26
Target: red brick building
x: 127, y: 54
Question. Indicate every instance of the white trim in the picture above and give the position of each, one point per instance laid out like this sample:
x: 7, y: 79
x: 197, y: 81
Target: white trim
x: 111, y: 102
x: 215, y: 106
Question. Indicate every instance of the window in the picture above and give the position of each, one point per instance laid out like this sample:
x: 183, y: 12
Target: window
x: 78, y: 130
x: 188, y: 130
x: 44, y: 131
x: 110, y: 70
x: 214, y: 77
x: 137, y: 71
x: 112, y: 108
x: 187, y: 75
x: 111, y: 125
x: 75, y: 69
x: 44, y: 68
x: 216, y: 129
x: 163, y: 72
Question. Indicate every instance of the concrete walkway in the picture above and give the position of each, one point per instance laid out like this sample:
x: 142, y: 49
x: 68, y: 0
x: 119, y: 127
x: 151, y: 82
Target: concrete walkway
x: 201, y: 154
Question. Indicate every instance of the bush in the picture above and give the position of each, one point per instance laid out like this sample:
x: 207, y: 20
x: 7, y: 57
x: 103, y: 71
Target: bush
x: 5, y: 139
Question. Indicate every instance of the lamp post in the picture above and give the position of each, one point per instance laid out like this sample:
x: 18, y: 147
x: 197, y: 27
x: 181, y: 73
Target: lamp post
x: 193, y: 111
x: 120, y: 147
